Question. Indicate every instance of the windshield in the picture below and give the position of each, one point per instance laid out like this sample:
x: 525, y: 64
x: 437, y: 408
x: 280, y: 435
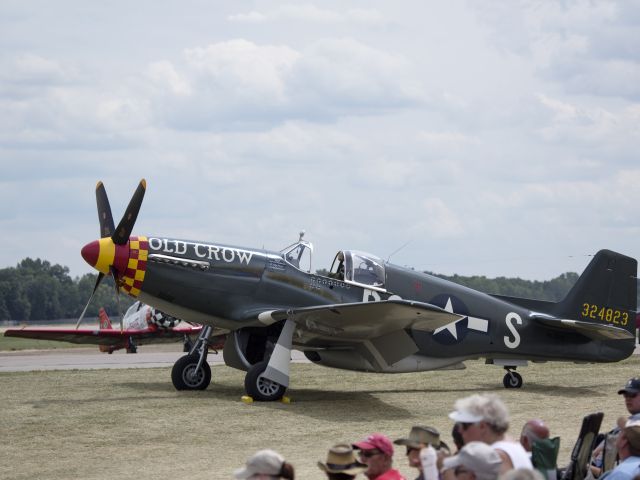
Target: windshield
x: 299, y: 255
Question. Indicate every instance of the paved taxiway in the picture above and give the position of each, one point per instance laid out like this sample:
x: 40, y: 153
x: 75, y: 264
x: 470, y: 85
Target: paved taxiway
x: 90, y: 358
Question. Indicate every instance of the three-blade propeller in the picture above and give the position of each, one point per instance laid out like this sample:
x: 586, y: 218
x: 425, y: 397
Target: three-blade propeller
x: 119, y: 235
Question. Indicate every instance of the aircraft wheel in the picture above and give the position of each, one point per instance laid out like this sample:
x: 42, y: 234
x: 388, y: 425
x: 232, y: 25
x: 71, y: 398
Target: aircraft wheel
x: 260, y: 388
x: 512, y: 380
x: 185, y: 376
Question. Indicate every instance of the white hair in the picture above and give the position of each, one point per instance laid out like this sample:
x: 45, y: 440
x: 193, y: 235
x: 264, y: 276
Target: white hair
x: 521, y: 474
x: 488, y: 406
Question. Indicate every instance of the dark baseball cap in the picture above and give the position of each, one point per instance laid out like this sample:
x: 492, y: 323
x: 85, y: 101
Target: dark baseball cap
x: 632, y: 386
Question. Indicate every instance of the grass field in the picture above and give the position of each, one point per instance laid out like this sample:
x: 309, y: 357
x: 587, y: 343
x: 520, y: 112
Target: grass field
x: 100, y: 424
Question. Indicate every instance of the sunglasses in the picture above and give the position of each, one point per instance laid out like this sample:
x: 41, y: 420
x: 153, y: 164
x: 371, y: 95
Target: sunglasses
x: 466, y: 426
x: 369, y: 453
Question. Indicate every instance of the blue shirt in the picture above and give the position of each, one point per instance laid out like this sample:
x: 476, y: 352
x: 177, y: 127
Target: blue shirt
x: 627, y: 470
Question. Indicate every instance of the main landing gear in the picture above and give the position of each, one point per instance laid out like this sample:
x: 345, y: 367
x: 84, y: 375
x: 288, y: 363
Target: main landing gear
x: 512, y: 379
x: 267, y: 381
x: 261, y: 388
x: 192, y: 372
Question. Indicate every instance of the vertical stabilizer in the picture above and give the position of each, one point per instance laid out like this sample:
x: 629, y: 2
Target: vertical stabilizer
x: 606, y: 292
x: 105, y: 323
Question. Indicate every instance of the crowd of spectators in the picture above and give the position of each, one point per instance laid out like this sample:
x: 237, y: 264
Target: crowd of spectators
x: 482, y: 449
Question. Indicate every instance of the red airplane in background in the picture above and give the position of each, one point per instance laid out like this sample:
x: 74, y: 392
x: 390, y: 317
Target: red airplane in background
x: 141, y: 325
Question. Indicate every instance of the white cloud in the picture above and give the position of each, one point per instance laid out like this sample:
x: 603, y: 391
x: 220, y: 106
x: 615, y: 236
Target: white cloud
x: 435, y: 219
x: 486, y: 131
x: 269, y: 84
x: 585, y: 47
x: 311, y: 13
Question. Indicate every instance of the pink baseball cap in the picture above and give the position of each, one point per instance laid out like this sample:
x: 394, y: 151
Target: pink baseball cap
x: 376, y: 441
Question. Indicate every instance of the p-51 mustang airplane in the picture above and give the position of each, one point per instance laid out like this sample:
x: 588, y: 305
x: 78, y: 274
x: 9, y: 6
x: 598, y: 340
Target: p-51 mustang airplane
x: 366, y: 314
x: 141, y: 325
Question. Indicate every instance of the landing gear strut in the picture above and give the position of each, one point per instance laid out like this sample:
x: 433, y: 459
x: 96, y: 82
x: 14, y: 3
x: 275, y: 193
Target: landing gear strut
x: 187, y: 344
x: 192, y: 372
x: 512, y: 379
x: 131, y: 346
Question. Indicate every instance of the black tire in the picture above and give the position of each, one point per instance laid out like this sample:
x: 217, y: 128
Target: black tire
x: 259, y: 388
x: 512, y: 380
x: 184, y: 376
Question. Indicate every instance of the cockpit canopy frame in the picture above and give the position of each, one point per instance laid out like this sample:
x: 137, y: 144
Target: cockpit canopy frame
x: 359, y: 268
x: 299, y: 255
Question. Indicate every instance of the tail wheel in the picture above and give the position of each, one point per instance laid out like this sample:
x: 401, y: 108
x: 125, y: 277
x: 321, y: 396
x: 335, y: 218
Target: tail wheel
x: 260, y: 388
x: 512, y: 380
x: 186, y: 376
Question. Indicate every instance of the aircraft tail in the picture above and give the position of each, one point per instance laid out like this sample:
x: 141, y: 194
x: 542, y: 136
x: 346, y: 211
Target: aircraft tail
x: 605, y: 293
x: 105, y: 323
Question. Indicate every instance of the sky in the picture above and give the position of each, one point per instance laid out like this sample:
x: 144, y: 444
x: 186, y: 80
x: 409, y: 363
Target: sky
x: 480, y: 138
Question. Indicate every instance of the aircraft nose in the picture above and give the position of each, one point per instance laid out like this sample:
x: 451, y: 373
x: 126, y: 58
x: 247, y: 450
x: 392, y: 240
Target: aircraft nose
x: 127, y: 262
x: 90, y: 252
x: 103, y: 254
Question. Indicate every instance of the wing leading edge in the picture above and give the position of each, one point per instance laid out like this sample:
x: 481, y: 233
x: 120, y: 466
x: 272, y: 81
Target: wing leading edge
x: 364, y: 321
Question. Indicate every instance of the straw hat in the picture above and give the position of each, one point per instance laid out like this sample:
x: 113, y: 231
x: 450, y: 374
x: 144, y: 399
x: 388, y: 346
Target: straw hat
x: 342, y: 459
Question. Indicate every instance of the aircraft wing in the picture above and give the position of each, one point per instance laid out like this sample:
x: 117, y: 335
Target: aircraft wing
x: 364, y: 321
x: 596, y: 331
x: 103, y: 336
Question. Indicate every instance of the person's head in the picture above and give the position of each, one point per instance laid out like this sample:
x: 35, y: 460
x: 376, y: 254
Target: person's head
x: 376, y: 451
x: 265, y: 465
x: 341, y: 463
x: 481, y: 417
x: 419, y: 438
x: 476, y: 461
x: 533, y: 431
x: 631, y: 393
x: 522, y: 474
x: 628, y: 441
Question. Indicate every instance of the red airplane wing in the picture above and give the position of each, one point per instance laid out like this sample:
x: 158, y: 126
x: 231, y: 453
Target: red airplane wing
x: 103, y: 336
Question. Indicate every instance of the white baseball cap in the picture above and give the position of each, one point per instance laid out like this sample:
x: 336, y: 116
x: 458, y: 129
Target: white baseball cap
x: 265, y: 462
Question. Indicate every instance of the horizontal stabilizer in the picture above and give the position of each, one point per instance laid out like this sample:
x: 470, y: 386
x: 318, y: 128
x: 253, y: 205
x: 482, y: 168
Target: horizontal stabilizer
x: 595, y: 331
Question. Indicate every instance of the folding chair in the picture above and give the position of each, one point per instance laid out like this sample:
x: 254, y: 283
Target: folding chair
x: 581, y: 454
x: 544, y: 456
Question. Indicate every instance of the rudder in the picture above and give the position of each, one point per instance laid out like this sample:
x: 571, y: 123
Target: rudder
x: 105, y: 323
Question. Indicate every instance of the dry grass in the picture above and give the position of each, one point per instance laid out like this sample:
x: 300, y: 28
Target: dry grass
x: 114, y: 423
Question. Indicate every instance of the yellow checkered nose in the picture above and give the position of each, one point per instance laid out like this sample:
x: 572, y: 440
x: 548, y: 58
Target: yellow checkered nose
x: 128, y: 261
x: 136, y: 265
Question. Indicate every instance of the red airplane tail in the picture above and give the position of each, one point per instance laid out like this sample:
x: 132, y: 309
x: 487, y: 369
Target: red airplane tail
x: 105, y: 323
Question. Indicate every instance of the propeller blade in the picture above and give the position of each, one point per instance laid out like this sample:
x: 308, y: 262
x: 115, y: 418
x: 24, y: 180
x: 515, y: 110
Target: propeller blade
x: 104, y: 212
x: 115, y: 282
x: 98, y: 280
x: 122, y: 232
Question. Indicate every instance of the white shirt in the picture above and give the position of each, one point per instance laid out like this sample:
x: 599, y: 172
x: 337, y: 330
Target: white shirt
x: 516, y: 453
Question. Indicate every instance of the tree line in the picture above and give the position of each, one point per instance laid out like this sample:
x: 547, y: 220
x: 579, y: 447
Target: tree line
x: 37, y: 290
